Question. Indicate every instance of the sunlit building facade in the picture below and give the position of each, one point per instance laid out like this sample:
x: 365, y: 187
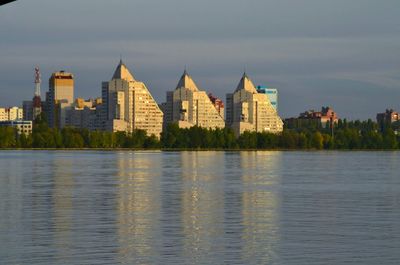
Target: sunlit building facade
x: 11, y: 114
x: 59, y: 97
x: 84, y: 114
x: 128, y: 104
x: 248, y: 110
x: 189, y: 106
x: 326, y: 116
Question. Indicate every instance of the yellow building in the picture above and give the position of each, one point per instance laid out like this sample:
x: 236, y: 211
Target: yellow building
x: 59, y: 97
x: 11, y: 114
x: 248, y: 110
x: 128, y: 104
x: 189, y: 106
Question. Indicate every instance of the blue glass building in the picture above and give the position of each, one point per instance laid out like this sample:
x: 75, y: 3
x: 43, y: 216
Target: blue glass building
x: 272, y: 94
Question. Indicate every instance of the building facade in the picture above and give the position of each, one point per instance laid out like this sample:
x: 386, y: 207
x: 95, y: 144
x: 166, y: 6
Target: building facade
x: 272, y: 94
x: 248, y: 110
x: 11, y: 114
x: 218, y: 104
x: 59, y: 97
x: 33, y: 108
x: 327, y: 114
x: 189, y: 106
x: 313, y: 118
x: 128, y: 105
x: 84, y: 114
x: 27, y: 106
x: 388, y: 117
x: 23, y: 127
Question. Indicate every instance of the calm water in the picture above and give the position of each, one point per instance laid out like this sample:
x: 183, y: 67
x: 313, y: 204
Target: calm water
x: 199, y: 208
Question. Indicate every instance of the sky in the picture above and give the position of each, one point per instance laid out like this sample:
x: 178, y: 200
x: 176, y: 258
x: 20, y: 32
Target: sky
x: 339, y: 53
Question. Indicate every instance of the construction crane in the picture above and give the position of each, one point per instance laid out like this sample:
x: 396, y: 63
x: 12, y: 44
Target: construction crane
x: 3, y: 2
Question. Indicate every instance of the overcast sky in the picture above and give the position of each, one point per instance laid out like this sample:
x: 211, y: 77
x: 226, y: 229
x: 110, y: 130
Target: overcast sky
x: 341, y: 53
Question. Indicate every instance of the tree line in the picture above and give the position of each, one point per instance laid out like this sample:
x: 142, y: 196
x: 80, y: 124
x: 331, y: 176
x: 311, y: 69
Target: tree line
x: 353, y: 135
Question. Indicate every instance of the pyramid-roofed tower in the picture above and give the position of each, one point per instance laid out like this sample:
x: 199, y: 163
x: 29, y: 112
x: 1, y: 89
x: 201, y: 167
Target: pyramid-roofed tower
x: 248, y: 110
x: 246, y: 84
x: 122, y: 72
x: 128, y: 104
x: 186, y: 81
x: 189, y: 106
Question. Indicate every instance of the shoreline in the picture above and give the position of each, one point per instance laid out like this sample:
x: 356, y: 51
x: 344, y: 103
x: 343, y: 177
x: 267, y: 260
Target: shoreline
x: 198, y: 150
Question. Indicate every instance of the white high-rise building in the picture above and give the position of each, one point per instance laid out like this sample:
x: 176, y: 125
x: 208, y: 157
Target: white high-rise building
x: 189, y: 106
x: 248, y: 110
x: 128, y: 104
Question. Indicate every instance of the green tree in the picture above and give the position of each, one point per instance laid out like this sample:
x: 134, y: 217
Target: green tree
x: 317, y: 141
x: 288, y: 140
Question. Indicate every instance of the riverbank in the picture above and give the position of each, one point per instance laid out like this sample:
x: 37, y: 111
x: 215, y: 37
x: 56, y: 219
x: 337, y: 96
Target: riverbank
x: 198, y: 150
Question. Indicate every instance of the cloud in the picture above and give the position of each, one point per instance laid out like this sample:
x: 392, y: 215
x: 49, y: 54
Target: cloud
x: 310, y: 49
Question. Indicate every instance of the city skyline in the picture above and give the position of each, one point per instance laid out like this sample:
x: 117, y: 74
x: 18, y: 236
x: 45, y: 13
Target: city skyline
x: 303, y: 49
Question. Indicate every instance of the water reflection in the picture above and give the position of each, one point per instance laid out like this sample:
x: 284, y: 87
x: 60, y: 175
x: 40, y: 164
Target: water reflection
x: 202, y: 205
x: 199, y: 208
x: 63, y: 187
x: 196, y: 211
x: 252, y: 203
x: 260, y: 207
x: 138, y: 207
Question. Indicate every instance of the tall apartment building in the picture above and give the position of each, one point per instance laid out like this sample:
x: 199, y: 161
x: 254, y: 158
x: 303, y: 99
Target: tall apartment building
x: 128, y: 104
x: 189, y: 106
x: 59, y: 97
x: 272, y: 94
x: 248, y: 110
x: 11, y: 114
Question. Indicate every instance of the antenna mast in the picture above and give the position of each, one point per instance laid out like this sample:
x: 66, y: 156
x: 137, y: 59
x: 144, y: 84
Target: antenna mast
x: 38, y: 81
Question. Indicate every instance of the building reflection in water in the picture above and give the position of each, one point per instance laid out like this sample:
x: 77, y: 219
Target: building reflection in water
x: 252, y: 207
x: 63, y: 187
x: 260, y: 207
x: 13, y: 204
x: 138, y: 207
x: 202, y: 205
x: 198, y: 207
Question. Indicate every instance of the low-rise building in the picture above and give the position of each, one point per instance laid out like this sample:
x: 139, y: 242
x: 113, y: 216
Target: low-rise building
x: 11, y: 114
x: 23, y: 127
x: 318, y: 118
x: 389, y: 116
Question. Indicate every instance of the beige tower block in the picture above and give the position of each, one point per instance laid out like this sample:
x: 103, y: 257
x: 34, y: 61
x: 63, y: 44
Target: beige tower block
x: 129, y: 105
x: 251, y: 111
x: 189, y: 106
